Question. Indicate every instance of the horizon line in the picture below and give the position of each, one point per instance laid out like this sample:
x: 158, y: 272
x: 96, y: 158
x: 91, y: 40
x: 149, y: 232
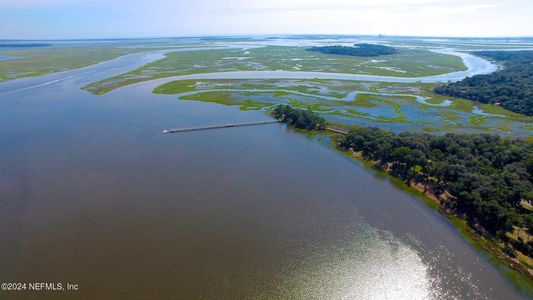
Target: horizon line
x: 269, y: 35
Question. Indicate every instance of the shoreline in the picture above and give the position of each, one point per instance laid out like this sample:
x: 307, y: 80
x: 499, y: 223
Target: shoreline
x: 514, y: 272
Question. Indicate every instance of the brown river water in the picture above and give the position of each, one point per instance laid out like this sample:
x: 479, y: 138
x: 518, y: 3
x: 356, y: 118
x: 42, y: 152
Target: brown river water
x: 91, y: 193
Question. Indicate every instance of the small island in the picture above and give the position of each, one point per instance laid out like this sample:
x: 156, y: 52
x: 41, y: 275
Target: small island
x: 363, y: 50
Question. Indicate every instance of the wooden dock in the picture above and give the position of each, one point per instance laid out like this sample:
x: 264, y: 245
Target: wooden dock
x: 229, y: 125
x: 336, y: 130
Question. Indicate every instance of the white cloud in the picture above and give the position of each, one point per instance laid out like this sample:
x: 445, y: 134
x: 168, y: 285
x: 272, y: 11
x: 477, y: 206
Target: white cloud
x: 105, y: 18
x: 303, y: 5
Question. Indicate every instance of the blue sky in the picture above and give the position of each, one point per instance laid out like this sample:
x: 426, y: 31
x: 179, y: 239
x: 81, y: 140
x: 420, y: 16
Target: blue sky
x: 134, y: 18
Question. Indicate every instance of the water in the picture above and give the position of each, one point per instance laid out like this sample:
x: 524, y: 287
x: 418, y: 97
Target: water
x: 93, y: 194
x: 6, y: 57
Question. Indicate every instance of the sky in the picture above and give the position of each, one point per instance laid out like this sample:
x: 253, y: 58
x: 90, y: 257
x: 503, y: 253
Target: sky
x: 57, y: 19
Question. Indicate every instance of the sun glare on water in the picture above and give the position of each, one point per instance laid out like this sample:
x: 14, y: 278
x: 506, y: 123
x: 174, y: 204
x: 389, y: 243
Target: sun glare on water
x: 373, y: 265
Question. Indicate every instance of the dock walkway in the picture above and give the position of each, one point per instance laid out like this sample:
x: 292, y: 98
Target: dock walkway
x: 229, y: 125
x: 336, y: 130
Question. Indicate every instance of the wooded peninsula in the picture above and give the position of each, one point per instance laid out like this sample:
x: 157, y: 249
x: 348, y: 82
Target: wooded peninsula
x: 485, y: 179
x: 511, y: 87
x: 299, y: 118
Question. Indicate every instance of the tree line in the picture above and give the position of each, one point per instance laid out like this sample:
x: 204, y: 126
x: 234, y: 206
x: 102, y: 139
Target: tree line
x: 511, y: 87
x: 365, y: 50
x: 299, y: 118
x: 485, y: 177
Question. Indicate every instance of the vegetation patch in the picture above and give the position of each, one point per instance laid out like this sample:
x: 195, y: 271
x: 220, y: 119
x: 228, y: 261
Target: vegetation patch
x: 299, y: 118
x: 364, y: 100
x: 511, y: 87
x: 35, y: 61
x: 477, y: 120
x: 365, y: 50
x: 526, y: 127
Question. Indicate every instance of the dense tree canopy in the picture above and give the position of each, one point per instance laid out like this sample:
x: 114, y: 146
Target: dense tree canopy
x: 512, y: 87
x: 357, y: 50
x: 299, y: 118
x: 488, y: 177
